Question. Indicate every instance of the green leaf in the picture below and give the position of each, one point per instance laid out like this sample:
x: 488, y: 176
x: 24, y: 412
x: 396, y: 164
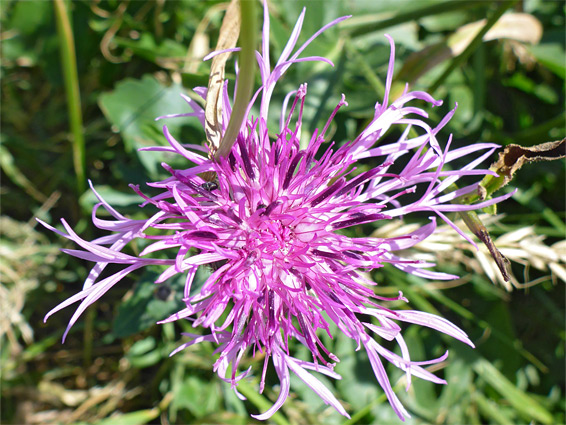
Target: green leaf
x: 422, y: 398
x: 357, y: 386
x: 456, y: 394
x: 147, y: 48
x: 260, y: 401
x: 114, y: 197
x: 29, y: 16
x: 198, y: 396
x: 145, y: 353
x: 142, y: 310
x: 132, y: 108
x: 552, y: 56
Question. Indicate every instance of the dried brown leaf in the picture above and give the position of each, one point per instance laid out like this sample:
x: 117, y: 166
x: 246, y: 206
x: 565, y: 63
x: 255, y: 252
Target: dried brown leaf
x: 514, y: 157
x: 521, y: 27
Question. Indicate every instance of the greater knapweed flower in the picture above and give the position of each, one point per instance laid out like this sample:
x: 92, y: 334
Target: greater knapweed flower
x: 271, y: 226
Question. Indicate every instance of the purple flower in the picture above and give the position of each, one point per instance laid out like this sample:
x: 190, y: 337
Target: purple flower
x: 271, y: 228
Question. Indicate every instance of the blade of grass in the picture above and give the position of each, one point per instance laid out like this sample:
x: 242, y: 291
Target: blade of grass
x: 414, y: 292
x: 359, y: 29
x: 476, y: 42
x: 370, y: 75
x: 537, y: 133
x: 520, y: 400
x: 70, y: 77
x: 366, y: 410
x: 132, y: 418
x: 490, y: 410
x: 333, y: 79
x: 467, y: 314
x: 529, y: 198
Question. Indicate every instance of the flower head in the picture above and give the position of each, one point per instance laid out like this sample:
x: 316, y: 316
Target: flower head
x: 271, y: 226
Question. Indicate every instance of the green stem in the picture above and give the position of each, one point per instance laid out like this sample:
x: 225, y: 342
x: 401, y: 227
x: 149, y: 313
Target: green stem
x: 248, y: 34
x: 478, y: 39
x: 70, y: 76
x: 88, y: 337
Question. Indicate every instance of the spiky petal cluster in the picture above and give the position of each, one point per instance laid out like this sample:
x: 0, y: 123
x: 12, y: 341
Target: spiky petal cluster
x: 271, y: 224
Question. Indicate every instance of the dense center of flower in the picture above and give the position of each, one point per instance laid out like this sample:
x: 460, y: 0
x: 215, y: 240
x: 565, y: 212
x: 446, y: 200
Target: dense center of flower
x: 273, y: 239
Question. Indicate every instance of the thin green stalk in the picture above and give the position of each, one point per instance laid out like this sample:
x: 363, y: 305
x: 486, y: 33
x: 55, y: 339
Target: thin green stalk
x: 460, y: 59
x: 88, y: 337
x: 248, y: 35
x: 70, y: 76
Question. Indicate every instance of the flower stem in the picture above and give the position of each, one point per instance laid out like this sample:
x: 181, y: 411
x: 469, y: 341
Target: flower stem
x: 248, y: 34
x: 70, y: 77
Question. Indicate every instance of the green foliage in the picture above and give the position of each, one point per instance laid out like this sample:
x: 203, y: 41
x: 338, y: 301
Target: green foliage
x: 132, y: 108
x: 133, y: 61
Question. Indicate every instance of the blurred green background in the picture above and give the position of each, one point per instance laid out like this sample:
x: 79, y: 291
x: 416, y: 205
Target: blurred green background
x: 133, y: 59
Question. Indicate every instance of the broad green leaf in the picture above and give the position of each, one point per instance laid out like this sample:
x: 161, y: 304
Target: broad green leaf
x: 143, y: 309
x: 145, y: 353
x: 163, y: 54
x: 542, y: 91
x: 197, y: 395
x: 259, y: 401
x: 358, y: 386
x: 455, y: 395
x: 28, y: 16
x: 145, y: 306
x: 113, y: 197
x: 421, y: 397
x: 132, y: 108
x: 316, y: 406
x: 552, y: 56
